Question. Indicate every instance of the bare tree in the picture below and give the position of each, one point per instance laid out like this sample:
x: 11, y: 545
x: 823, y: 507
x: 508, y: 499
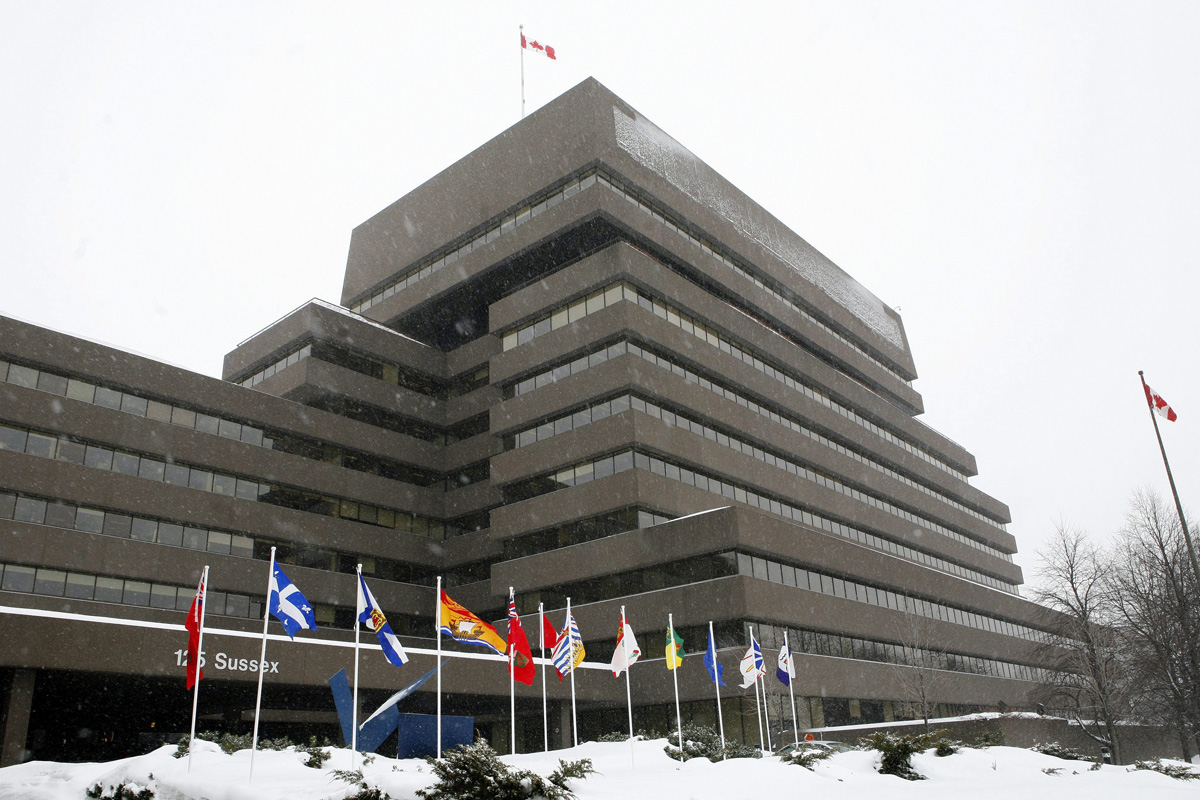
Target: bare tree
x: 1088, y: 673
x: 921, y: 673
x: 1160, y: 617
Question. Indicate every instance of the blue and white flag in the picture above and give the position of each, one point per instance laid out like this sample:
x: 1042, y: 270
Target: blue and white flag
x: 288, y: 605
x: 715, y: 670
x: 752, y: 665
x: 372, y: 616
x: 785, y: 670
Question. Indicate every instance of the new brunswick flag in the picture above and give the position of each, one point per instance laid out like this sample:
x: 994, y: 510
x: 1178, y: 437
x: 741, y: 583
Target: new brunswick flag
x: 463, y: 626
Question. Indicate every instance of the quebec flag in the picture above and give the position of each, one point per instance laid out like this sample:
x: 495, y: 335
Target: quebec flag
x: 288, y: 605
x: 370, y: 614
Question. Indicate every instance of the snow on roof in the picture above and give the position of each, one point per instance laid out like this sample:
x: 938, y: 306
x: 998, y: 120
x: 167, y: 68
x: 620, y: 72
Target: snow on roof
x: 657, y: 151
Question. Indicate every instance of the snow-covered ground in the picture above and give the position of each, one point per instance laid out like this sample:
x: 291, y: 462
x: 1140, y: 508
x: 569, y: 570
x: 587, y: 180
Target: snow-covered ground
x: 995, y: 773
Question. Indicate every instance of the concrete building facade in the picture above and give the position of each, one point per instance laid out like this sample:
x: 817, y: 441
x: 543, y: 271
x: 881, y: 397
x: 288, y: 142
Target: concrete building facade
x: 577, y: 362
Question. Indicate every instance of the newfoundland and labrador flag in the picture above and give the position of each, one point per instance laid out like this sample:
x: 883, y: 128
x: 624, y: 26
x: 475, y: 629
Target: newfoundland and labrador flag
x: 288, y: 605
x: 463, y: 626
x: 372, y: 616
x: 752, y: 665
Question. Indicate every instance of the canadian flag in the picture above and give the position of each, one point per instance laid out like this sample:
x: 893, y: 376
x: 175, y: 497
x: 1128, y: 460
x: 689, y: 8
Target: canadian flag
x: 534, y: 45
x: 1158, y: 404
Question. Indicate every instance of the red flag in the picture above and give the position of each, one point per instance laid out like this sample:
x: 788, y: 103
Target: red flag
x: 194, y: 673
x: 521, y: 659
x: 1157, y: 403
x: 549, y: 634
x: 545, y: 49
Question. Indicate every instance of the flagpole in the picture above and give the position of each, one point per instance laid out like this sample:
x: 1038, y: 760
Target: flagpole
x: 261, y: 660
x: 522, y: 27
x: 545, y: 717
x: 628, y: 692
x: 717, y: 686
x: 437, y: 629
x: 512, y: 687
x: 198, y: 655
x: 675, y: 663
x: 757, y: 706
x: 1187, y: 534
x: 791, y: 689
x: 354, y: 709
x: 571, y: 657
x: 766, y: 707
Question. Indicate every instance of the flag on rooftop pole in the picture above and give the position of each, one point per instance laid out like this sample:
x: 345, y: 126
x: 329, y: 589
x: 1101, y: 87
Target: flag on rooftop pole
x: 462, y: 626
x: 195, y: 629
x: 674, y: 653
x: 786, y: 671
x: 715, y: 672
x: 1159, y: 406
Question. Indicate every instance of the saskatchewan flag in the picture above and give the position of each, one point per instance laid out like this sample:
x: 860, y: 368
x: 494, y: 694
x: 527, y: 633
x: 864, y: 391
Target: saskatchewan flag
x: 674, y: 649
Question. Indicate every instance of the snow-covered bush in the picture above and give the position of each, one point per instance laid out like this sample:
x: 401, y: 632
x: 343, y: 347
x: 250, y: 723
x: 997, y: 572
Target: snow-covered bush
x: 475, y: 772
x: 1174, y: 770
x: 1059, y: 751
x: 229, y: 743
x: 700, y: 741
x: 896, y: 751
x: 806, y: 755
x: 122, y: 791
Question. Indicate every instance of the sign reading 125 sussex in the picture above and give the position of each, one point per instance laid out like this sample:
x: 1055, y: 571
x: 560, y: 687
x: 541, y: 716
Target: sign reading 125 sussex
x: 226, y: 662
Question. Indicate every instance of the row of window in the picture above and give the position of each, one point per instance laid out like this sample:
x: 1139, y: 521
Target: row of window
x: 539, y: 205
x: 131, y: 403
x: 818, y: 643
x: 486, y: 235
x: 629, y: 459
x: 58, y: 514
x: 623, y: 346
x: 624, y: 291
x: 716, y: 251
x: 124, y: 462
x: 623, y: 403
x: 791, y: 575
x: 84, y: 586
x: 582, y: 530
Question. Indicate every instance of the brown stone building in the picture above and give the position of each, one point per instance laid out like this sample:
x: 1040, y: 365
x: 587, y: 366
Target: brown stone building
x: 577, y: 362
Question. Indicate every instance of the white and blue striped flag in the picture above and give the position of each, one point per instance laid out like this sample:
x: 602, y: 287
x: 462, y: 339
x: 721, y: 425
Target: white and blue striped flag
x: 568, y: 650
x: 370, y: 614
x: 288, y: 605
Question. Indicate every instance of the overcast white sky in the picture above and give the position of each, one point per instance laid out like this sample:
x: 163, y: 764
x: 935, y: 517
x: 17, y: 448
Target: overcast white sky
x: 1019, y: 179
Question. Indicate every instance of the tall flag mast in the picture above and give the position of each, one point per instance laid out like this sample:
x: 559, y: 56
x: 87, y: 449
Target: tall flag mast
x: 195, y: 628
x: 1159, y: 406
x: 544, y: 49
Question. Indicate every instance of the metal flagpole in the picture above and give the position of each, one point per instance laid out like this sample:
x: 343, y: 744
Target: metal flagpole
x: 354, y: 709
x: 717, y: 686
x: 437, y: 628
x: 675, y: 664
x: 512, y: 685
x: 791, y: 689
x: 542, y: 639
x: 261, y: 659
x: 757, y: 706
x: 199, y: 656
x: 522, y: 27
x: 1187, y: 534
x: 571, y: 662
x: 628, y: 693
x: 766, y: 707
